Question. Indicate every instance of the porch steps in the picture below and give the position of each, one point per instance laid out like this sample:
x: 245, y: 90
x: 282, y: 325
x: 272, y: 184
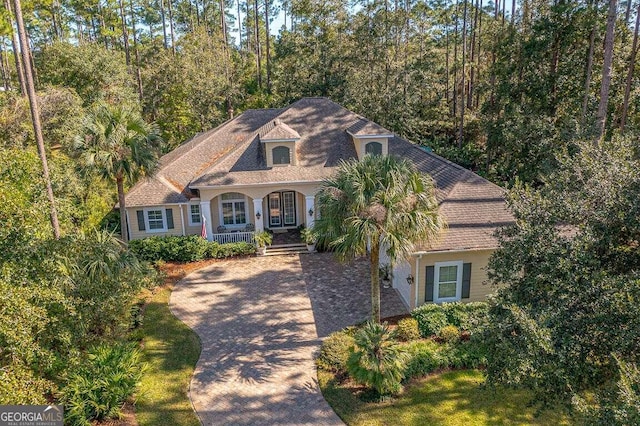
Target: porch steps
x: 283, y: 249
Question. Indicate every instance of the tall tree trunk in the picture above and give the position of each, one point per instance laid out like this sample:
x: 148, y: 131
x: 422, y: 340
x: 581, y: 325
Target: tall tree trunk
x: 513, y: 12
x: 464, y: 58
x: 479, y: 54
x: 606, y: 72
x: 223, y: 23
x: 446, y: 60
x: 267, y: 39
x: 3, y: 66
x: 588, y: 71
x: 632, y: 66
x: 123, y: 212
x: 473, y: 56
x: 257, y: 36
x: 375, y: 280
x: 455, y: 65
x: 173, y: 38
x: 16, y: 52
x: 35, y: 117
x: 239, y: 27
x: 125, y: 33
x: 164, y: 24
x: 135, y: 51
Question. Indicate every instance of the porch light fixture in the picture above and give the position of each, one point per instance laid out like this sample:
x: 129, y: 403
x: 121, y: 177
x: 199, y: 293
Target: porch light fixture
x: 410, y: 279
x: 258, y: 215
x: 310, y: 212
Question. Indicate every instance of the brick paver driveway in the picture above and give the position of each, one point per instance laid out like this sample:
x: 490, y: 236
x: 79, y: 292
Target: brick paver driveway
x: 259, y: 320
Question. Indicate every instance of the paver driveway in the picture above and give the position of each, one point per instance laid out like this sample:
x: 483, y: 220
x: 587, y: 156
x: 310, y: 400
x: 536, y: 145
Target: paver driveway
x: 257, y: 320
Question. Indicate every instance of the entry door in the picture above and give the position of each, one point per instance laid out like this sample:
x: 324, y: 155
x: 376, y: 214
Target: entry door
x: 282, y: 209
x: 274, y: 210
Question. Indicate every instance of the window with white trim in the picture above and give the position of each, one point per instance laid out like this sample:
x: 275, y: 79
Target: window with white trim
x: 447, y: 282
x: 233, y: 208
x: 195, y: 217
x: 155, y: 220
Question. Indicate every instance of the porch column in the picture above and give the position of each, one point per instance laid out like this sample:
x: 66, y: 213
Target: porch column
x: 310, y: 204
x: 257, y: 208
x: 205, y: 210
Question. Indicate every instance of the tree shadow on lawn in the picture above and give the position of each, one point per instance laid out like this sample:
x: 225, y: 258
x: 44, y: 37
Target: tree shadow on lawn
x: 448, y: 398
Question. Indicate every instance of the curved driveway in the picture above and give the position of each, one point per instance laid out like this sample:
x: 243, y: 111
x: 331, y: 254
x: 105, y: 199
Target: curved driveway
x: 259, y: 319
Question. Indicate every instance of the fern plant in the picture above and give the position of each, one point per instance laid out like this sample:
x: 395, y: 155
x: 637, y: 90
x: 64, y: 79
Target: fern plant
x: 377, y: 360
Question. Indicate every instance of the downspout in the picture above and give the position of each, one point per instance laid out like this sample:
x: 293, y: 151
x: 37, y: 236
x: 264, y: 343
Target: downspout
x: 182, y: 219
x: 416, y: 280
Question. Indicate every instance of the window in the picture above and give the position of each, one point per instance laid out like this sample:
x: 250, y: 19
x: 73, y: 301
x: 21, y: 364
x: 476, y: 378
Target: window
x: 195, y: 218
x: 373, y: 148
x: 155, y: 221
x: 233, y: 209
x: 281, y: 155
x: 447, y: 282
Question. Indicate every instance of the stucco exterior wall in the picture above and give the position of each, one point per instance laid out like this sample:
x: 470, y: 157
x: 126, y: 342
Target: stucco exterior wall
x: 479, y: 289
x: 360, y: 144
x: 268, y: 146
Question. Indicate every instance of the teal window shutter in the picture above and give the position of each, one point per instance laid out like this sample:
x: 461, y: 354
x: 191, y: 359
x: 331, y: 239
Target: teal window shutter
x: 169, y: 218
x: 428, y: 292
x: 140, y: 214
x: 466, y: 280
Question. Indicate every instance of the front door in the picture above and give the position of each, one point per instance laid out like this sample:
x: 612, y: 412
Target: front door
x: 282, y: 209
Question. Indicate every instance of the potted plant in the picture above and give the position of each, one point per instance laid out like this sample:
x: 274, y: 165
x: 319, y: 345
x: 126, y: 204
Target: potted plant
x: 309, y: 237
x: 262, y: 240
x: 386, y: 275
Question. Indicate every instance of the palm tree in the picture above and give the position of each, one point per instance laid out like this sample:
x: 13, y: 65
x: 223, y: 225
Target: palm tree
x: 379, y: 202
x: 119, y: 145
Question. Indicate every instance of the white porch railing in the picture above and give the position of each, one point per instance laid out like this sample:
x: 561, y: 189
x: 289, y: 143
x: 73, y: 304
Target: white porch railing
x: 233, y: 237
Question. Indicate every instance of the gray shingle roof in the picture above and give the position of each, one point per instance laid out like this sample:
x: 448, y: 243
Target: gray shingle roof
x: 232, y: 154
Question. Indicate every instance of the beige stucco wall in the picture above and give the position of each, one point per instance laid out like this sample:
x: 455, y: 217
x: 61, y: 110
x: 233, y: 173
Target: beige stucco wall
x: 479, y: 289
x: 268, y: 146
x: 133, y: 218
x: 360, y: 144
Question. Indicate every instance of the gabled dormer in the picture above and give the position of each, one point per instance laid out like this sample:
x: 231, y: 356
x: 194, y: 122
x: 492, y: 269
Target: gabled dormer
x: 369, y: 138
x: 280, y: 145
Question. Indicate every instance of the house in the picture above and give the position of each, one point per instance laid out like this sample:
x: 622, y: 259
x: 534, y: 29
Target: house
x: 263, y: 168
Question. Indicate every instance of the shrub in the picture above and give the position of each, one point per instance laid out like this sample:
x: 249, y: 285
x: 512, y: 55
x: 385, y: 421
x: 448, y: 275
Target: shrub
x: 18, y: 385
x: 450, y: 333
x: 223, y: 251
x: 466, y: 316
x: 408, y: 329
x: 335, y: 351
x: 377, y: 360
x: 431, y: 318
x: 423, y: 358
x: 470, y: 354
x: 98, y: 389
x: 186, y: 249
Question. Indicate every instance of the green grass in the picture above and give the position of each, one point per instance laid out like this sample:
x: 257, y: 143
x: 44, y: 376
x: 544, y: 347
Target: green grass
x: 171, y: 350
x: 450, y: 398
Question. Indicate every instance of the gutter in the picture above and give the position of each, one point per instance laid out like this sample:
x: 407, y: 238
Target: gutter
x: 421, y: 253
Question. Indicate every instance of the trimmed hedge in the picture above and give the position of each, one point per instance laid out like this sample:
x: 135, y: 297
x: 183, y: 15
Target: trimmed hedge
x: 424, y: 357
x: 335, y: 351
x: 186, y: 249
x: 466, y: 316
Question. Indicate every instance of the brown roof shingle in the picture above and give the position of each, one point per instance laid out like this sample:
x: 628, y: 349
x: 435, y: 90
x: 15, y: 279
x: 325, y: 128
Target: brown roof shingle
x: 232, y: 154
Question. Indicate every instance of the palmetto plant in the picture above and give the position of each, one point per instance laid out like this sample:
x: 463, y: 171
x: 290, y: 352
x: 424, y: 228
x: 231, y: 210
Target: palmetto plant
x: 380, y: 202
x: 377, y: 359
x: 119, y: 145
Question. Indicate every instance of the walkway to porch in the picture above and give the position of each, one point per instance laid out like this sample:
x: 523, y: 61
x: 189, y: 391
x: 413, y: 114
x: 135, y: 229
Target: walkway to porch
x: 285, y: 237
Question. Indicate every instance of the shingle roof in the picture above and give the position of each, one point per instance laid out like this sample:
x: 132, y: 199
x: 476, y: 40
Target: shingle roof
x: 364, y: 127
x: 280, y: 131
x: 233, y: 155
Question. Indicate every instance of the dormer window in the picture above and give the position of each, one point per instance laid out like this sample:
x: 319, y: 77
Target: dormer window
x: 373, y: 148
x: 281, y: 155
x: 279, y: 143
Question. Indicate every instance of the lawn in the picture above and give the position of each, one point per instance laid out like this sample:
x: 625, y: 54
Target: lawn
x: 171, y: 350
x: 449, y: 398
